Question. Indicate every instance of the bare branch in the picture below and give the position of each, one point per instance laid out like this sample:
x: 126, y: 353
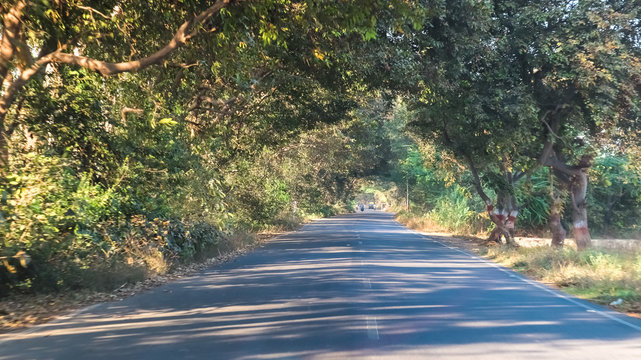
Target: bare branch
x: 179, y: 39
x: 128, y: 110
x: 477, y: 180
x: 92, y: 10
x: 550, y: 128
x: 184, y: 119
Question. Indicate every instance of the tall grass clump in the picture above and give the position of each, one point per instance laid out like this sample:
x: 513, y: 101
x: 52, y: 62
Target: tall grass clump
x: 453, y: 212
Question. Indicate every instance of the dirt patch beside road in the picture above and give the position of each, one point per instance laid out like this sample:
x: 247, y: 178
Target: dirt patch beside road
x: 22, y: 311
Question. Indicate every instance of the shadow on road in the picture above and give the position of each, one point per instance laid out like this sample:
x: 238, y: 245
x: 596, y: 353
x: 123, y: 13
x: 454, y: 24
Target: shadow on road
x: 344, y: 287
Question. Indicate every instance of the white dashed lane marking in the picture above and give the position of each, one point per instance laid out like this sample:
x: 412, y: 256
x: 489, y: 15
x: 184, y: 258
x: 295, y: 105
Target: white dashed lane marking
x: 372, y: 328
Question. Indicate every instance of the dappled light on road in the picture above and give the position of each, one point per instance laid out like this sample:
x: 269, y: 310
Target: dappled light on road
x: 355, y: 286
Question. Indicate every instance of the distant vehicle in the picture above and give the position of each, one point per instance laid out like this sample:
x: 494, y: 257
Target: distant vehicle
x: 362, y: 207
x: 372, y: 206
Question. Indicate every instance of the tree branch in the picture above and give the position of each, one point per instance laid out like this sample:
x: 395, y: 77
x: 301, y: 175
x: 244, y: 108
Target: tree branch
x: 477, y: 180
x: 562, y: 167
x: 553, y: 128
x: 550, y: 129
x: 573, y: 201
x: 128, y: 110
x: 92, y: 10
x: 10, y: 32
x: 179, y: 39
x: 12, y: 91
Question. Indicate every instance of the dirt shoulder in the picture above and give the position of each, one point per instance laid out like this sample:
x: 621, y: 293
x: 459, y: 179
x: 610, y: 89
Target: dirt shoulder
x: 19, y: 312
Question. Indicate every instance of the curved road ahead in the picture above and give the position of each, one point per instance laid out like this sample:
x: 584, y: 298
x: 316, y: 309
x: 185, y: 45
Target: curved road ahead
x: 359, y: 286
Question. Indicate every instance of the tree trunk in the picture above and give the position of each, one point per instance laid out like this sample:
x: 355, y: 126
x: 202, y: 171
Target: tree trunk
x: 4, y: 138
x: 510, y: 224
x: 12, y: 22
x: 556, y: 229
x: 578, y: 194
x: 504, y: 226
x: 554, y: 221
x: 510, y: 213
x: 4, y: 152
x: 495, y: 235
x: 498, y: 218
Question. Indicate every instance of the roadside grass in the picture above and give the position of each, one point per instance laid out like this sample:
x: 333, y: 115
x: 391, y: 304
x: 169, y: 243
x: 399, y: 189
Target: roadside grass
x: 427, y: 222
x: 598, y: 275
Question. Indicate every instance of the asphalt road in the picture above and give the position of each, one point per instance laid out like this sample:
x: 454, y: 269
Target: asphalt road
x: 359, y: 286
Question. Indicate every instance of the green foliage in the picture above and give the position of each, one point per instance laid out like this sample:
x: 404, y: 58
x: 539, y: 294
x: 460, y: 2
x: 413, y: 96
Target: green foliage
x: 162, y: 165
x: 616, y: 197
x: 495, y: 83
x: 44, y: 201
x: 452, y: 212
x: 73, y: 229
x: 533, y: 196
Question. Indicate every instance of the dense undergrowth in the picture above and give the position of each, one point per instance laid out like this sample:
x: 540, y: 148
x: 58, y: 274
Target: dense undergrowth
x: 78, y: 234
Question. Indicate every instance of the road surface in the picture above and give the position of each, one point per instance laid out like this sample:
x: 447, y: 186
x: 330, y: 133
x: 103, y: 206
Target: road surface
x: 358, y: 286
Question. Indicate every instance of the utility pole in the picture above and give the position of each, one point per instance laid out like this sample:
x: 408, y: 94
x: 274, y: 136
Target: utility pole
x: 407, y: 194
x: 407, y: 183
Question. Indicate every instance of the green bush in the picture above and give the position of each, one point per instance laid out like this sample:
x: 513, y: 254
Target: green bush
x: 74, y: 231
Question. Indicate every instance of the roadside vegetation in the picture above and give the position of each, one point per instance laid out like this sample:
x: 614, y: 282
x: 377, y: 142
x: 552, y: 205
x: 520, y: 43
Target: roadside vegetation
x: 601, y: 275
x: 604, y: 275
x: 607, y: 276
x: 112, y: 173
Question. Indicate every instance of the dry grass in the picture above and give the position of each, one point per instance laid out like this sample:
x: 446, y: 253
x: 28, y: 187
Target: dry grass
x: 419, y: 223
x: 600, y: 275
x: 426, y: 223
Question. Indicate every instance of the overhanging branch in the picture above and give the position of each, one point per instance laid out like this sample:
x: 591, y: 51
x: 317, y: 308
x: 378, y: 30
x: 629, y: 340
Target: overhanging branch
x: 185, y: 32
x: 554, y: 163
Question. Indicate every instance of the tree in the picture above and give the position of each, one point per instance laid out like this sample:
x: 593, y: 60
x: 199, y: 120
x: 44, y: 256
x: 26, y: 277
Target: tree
x: 25, y: 22
x: 510, y: 86
x: 467, y: 103
x: 97, y: 35
x: 582, y: 74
